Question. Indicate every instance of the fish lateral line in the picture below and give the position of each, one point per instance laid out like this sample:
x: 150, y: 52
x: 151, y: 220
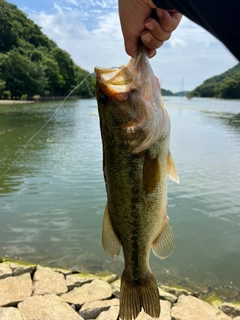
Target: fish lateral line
x: 46, y: 123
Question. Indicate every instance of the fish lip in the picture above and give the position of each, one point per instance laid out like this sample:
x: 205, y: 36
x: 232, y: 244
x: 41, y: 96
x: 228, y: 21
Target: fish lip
x: 100, y: 72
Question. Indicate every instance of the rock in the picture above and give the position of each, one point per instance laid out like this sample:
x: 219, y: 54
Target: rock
x: 48, y: 307
x: 164, y: 295
x: 96, y: 290
x: 116, y: 288
x: 46, y: 281
x: 191, y: 308
x: 237, y: 318
x: 5, y: 270
x: 63, y: 271
x: 106, y: 276
x: 111, y: 314
x: 15, y: 289
x: 91, y: 310
x: 165, y: 310
x: 10, y: 314
x: 177, y: 291
x: 18, y: 268
x: 212, y: 299
x: 77, y: 280
x: 232, y: 309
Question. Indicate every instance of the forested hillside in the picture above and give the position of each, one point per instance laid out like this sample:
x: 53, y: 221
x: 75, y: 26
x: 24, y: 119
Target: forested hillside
x: 31, y: 64
x: 225, y: 85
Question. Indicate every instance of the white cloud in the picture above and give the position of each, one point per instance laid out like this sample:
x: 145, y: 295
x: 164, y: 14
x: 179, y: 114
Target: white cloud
x: 95, y: 39
x: 74, y: 2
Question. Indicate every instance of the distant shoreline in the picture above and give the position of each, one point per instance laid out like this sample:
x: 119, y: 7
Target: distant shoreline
x: 15, y: 102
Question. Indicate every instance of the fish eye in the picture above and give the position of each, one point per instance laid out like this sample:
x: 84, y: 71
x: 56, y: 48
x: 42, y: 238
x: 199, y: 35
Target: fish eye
x: 104, y: 100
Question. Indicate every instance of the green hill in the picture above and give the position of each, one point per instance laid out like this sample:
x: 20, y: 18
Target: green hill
x: 32, y: 64
x: 167, y: 92
x: 225, y: 85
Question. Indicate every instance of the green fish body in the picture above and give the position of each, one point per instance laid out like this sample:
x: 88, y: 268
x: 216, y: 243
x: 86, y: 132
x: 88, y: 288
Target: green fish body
x: 135, y: 130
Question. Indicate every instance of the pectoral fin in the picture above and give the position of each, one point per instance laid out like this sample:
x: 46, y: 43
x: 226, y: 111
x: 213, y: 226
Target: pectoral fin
x: 163, y: 245
x: 110, y: 241
x: 171, y: 168
x: 151, y: 173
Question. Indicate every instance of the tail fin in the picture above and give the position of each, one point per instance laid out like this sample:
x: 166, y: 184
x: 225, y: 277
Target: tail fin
x: 135, y: 297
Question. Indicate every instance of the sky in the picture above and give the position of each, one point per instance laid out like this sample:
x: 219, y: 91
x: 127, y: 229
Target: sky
x: 89, y: 30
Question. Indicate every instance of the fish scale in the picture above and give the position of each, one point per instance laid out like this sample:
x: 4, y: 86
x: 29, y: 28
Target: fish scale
x: 135, y: 130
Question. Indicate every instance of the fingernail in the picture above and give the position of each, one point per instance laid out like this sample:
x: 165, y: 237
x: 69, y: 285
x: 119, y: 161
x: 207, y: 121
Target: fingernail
x: 151, y: 55
x: 149, y: 25
x: 159, y: 12
x: 147, y: 37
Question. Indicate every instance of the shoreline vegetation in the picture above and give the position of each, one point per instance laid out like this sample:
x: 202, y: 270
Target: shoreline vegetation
x: 41, y: 292
x: 33, y: 65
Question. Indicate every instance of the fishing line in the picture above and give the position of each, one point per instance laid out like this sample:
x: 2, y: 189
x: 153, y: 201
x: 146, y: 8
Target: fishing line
x: 52, y: 116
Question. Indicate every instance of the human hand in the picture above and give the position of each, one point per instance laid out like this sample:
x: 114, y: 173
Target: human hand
x: 137, y: 23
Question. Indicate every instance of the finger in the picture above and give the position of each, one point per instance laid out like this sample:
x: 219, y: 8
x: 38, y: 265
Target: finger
x: 169, y: 20
x: 152, y: 53
x: 156, y: 30
x: 149, y: 41
x: 131, y: 46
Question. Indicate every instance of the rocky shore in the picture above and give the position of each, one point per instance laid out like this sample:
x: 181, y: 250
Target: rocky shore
x: 15, y: 101
x: 34, y: 292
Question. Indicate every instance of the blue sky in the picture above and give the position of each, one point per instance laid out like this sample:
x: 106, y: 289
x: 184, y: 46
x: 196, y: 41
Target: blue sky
x: 89, y: 31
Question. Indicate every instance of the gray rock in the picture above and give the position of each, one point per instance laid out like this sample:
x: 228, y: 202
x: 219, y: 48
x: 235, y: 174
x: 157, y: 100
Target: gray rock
x: 164, y: 295
x: 165, y: 312
x: 48, y: 307
x: 106, y: 276
x: 77, y: 280
x: 232, y: 309
x: 10, y: 313
x: 96, y: 290
x: 91, y: 310
x: 46, y: 281
x: 116, y: 288
x: 110, y: 314
x: 144, y: 316
x: 18, y: 269
x: 63, y: 271
x: 177, y: 291
x: 191, y: 308
x: 5, y: 270
x: 15, y: 289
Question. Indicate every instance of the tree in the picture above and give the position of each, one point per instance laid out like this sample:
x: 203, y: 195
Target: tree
x: 87, y: 88
x: 30, y: 63
x: 220, y: 86
x: 229, y: 89
x: 66, y: 69
x: 22, y: 76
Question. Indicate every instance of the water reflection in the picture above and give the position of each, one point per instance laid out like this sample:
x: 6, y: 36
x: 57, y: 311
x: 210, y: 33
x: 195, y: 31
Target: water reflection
x: 53, y: 198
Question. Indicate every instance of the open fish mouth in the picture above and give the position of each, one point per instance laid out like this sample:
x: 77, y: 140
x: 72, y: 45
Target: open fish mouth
x: 136, y: 85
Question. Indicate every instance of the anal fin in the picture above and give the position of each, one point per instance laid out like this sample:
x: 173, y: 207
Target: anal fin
x: 163, y: 245
x: 110, y: 241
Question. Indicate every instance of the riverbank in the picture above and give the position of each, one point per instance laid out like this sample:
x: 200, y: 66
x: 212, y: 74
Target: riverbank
x: 15, y: 102
x: 29, y: 291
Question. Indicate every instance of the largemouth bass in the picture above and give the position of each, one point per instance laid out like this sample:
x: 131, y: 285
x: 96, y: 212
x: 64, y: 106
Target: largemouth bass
x: 135, y: 130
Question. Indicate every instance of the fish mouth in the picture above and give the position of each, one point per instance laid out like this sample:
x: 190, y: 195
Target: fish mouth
x: 141, y: 118
x: 124, y: 79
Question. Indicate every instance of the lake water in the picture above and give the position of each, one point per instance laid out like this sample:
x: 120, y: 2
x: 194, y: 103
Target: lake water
x: 52, y: 199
